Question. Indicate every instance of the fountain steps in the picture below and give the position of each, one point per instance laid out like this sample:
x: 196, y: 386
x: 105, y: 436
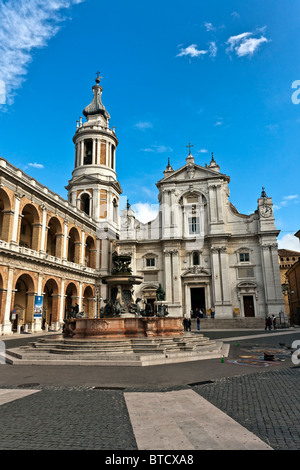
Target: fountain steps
x: 120, y: 352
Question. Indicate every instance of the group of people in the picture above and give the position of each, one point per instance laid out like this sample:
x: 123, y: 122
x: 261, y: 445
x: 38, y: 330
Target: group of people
x: 270, y: 322
x: 187, y: 324
x: 196, y: 313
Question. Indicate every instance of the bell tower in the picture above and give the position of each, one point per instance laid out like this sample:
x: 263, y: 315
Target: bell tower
x: 94, y: 187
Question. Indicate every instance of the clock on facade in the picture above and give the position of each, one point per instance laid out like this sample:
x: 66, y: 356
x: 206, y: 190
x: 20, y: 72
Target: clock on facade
x: 265, y: 211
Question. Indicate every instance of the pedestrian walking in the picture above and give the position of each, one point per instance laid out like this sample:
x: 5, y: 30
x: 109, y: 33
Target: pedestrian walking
x: 274, y: 322
x: 198, y: 323
x: 268, y: 323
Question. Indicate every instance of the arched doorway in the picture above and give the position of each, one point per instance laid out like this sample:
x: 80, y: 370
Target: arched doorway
x: 71, y: 298
x: 50, y: 303
x: 74, y: 246
x: 54, y: 238
x: 90, y: 253
x: 88, y: 302
x: 23, y: 301
x: 5, y: 216
x: 29, y: 228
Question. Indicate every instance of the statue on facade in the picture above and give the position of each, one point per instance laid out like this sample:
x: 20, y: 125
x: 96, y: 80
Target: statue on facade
x: 160, y: 293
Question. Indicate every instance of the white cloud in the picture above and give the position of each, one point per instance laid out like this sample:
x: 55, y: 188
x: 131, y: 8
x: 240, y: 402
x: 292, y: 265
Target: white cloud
x: 219, y: 122
x: 235, y: 14
x: 209, y: 26
x: 245, y: 44
x: 143, y: 125
x: 203, y: 150
x: 26, y: 25
x: 233, y: 40
x: 213, y: 49
x: 145, y: 212
x: 287, y: 200
x: 289, y: 242
x: 250, y: 45
x: 36, y: 165
x: 157, y: 149
x: 191, y: 51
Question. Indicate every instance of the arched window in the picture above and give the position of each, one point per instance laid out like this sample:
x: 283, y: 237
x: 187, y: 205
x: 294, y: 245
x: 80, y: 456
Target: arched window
x: 85, y: 205
x: 29, y: 227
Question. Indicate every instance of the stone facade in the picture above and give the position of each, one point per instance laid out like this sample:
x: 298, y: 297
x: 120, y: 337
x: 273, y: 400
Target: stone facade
x: 201, y: 250
x: 54, y: 248
x: 287, y: 258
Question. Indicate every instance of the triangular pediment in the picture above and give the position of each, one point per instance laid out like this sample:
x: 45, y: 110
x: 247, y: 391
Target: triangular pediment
x: 90, y: 180
x: 191, y: 172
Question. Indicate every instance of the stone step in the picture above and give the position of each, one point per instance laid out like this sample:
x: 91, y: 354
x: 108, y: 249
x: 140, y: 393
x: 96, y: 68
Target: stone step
x: 229, y: 323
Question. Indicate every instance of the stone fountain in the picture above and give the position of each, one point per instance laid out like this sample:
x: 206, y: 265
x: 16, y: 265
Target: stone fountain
x: 127, y: 333
x: 123, y: 315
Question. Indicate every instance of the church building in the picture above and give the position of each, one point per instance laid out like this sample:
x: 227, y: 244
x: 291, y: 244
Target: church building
x: 54, y: 252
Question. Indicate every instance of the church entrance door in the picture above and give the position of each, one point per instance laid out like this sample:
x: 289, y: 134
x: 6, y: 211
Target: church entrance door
x: 248, y: 306
x: 198, y: 298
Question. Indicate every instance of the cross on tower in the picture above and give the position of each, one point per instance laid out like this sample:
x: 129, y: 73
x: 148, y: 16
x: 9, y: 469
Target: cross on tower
x: 98, y: 77
x: 189, y: 146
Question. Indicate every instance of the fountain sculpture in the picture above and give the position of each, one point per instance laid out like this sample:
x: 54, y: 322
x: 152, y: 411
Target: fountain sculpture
x: 123, y: 315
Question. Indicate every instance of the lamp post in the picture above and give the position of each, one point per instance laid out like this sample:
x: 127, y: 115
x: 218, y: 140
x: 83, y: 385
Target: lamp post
x: 97, y: 300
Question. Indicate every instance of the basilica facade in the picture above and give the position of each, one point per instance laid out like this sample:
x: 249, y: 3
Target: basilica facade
x: 54, y: 252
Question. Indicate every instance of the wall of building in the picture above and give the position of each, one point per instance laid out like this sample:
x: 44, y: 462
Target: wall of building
x: 47, y: 248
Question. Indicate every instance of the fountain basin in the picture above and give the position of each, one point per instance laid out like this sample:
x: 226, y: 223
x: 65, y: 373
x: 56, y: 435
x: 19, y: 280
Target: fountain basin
x: 123, y: 327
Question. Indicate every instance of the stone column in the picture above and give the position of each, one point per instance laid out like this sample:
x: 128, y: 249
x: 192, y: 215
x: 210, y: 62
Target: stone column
x: 7, y: 326
x: 225, y: 276
x: 168, y: 276
x: 80, y: 298
x: 81, y: 152
x: 65, y: 239
x: 94, y: 152
x: 219, y: 202
x: 82, y: 248
x: 14, y: 237
x: 212, y: 204
x: 62, y: 301
x: 98, y: 253
x: 216, y: 276
x: 268, y: 273
x: 176, y: 281
x: 166, y: 214
x: 43, y: 234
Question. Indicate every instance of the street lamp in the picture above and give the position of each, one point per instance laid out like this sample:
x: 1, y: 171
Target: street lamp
x: 97, y: 300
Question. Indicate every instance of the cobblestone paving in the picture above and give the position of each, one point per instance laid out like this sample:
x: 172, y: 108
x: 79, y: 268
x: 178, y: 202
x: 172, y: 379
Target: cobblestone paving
x: 67, y: 419
x: 265, y: 403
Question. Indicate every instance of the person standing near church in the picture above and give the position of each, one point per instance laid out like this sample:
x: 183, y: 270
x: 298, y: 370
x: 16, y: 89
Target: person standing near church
x: 198, y: 323
x: 212, y: 312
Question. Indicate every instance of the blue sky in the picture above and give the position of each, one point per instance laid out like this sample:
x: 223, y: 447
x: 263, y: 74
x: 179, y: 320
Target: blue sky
x: 217, y: 74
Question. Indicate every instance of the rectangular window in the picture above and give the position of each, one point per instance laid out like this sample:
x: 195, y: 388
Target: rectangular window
x: 244, y: 257
x: 150, y: 262
x: 194, y: 226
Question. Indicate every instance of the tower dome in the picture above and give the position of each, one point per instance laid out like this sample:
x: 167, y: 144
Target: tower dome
x: 94, y: 187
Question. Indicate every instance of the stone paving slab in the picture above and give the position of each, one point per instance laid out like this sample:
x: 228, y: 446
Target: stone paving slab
x: 8, y: 395
x: 183, y: 420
